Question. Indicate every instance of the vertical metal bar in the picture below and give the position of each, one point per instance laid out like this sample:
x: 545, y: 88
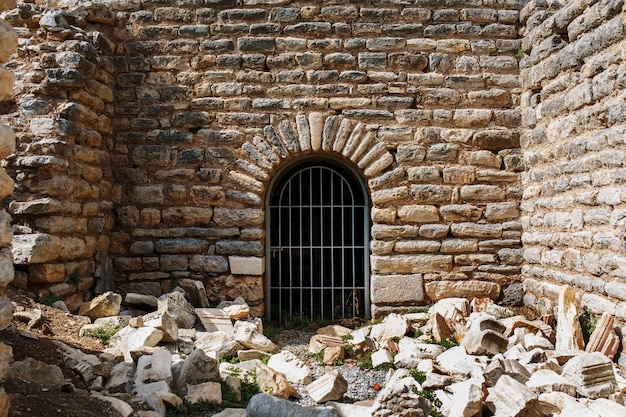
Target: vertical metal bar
x: 300, y: 237
x: 311, y: 231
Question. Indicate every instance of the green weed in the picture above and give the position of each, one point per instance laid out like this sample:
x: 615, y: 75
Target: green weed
x: 104, y: 333
x: 48, y: 299
x: 74, y: 277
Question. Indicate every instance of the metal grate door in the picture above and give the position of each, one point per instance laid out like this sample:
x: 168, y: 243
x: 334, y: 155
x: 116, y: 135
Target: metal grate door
x: 318, y: 245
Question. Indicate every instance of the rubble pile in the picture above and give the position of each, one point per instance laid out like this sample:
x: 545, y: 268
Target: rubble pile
x: 457, y: 359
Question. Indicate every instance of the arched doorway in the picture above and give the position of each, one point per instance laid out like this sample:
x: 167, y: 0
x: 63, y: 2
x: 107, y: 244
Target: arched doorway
x: 317, y: 242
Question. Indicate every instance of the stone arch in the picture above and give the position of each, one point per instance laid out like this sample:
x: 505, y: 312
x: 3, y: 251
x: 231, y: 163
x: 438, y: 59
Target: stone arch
x: 287, y: 138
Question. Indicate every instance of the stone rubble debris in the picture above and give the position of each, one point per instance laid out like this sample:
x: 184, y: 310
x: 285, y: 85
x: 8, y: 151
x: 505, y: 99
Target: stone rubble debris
x: 469, y: 358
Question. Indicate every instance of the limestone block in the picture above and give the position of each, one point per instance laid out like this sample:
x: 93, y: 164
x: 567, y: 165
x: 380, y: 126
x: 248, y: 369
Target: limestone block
x: 141, y: 300
x: 104, y: 305
x: 121, y: 377
x: 569, y: 334
x: 8, y: 43
x: 36, y: 372
x: 195, y: 291
x: 129, y: 339
x: 291, y: 366
x: 7, y: 272
x: 155, y: 367
x: 269, y: 380
x: 208, y: 392
x: 381, y: 357
x: 333, y: 354
x: 604, y: 339
x: 6, y: 357
x: 237, y: 311
x: 330, y: 387
x: 46, y: 273
x: 247, y: 334
x: 545, y: 380
x: 82, y: 363
x: 393, y: 326
x: 511, y: 398
x: 122, y: 407
x: 187, y: 216
x: 215, y: 319
x: 7, y: 140
x: 398, y: 395
x: 164, y: 322
x: 440, y: 329
x: 418, y: 213
x: 219, y: 342
x: 35, y: 248
x: 410, y: 264
x: 179, y: 308
x: 592, y: 373
x: 197, y: 368
x: 6, y: 183
x: 485, y: 336
x: 246, y: 265
x: 468, y: 397
x: 438, y: 290
x: 7, y: 80
x: 411, y: 352
x: 392, y: 289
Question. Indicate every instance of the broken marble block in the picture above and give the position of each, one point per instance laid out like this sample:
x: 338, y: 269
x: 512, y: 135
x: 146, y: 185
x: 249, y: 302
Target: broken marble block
x: 207, y: 392
x: 399, y: 395
x: 545, y: 380
x: 197, y: 368
x: 104, y: 305
x: 509, y: 398
x: 247, y: 334
x: 468, y: 397
x: 155, y: 367
x: 381, y: 357
x: 291, y: 366
x: 218, y: 342
x: 603, y: 339
x: 394, y: 326
x: 163, y: 321
x: 569, y: 334
x: 129, y: 339
x: 215, y: 319
x: 179, y: 308
x: 592, y: 373
x: 485, y: 337
x: 330, y: 387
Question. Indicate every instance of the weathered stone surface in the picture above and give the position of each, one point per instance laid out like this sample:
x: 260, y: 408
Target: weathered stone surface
x: 510, y: 398
x: 394, y: 289
x: 469, y: 289
x: 8, y: 40
x: 105, y: 305
x: 207, y: 392
x: 330, y: 387
x: 264, y: 405
x: 592, y: 373
x: 248, y: 335
x: 294, y: 369
x: 398, y: 395
x: 569, y: 333
x: 215, y: 319
x: 197, y: 368
x: 36, y: 372
x: 603, y: 339
x: 129, y: 338
x: 219, y: 342
x: 393, y: 326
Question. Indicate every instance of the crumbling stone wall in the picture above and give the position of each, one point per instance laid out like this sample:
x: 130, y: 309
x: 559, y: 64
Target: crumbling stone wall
x: 170, y: 172
x: 574, y: 115
x: 62, y: 205
x: 8, y: 45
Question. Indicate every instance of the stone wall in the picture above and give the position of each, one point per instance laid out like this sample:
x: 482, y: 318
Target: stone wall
x: 63, y: 202
x: 164, y: 123
x: 8, y: 45
x: 574, y: 116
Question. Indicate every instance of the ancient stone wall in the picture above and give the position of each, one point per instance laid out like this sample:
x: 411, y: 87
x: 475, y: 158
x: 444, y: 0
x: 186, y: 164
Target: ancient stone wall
x: 209, y: 100
x: 574, y: 115
x: 62, y: 205
x: 8, y: 45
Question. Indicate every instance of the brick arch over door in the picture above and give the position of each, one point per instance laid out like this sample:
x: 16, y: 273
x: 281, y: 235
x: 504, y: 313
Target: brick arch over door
x: 341, y: 142
x: 289, y: 138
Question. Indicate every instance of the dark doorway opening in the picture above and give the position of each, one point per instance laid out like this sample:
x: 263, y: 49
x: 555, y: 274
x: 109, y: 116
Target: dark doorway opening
x: 318, y: 244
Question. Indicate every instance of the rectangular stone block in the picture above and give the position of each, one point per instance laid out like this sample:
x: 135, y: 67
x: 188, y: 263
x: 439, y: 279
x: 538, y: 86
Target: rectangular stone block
x: 411, y: 264
x: 246, y: 265
x: 397, y: 289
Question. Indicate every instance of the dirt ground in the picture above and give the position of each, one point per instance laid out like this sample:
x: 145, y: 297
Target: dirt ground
x: 70, y: 400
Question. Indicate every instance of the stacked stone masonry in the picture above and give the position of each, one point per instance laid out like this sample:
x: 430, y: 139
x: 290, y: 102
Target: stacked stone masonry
x: 8, y: 45
x: 149, y: 133
x: 574, y: 120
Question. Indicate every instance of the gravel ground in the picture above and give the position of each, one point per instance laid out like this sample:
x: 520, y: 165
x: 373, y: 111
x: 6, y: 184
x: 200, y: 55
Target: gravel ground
x: 360, y: 382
